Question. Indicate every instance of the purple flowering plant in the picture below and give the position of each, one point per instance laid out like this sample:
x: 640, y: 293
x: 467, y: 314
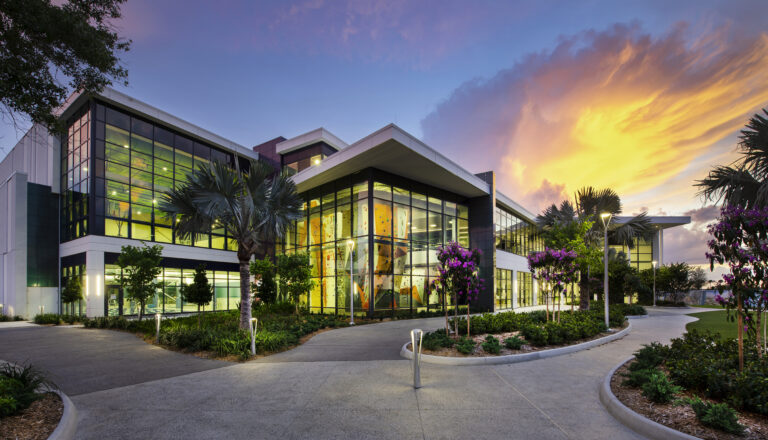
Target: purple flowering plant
x: 556, y: 268
x: 740, y: 241
x: 457, y: 276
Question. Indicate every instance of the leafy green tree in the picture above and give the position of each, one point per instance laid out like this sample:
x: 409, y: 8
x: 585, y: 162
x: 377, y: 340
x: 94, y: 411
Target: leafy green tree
x: 265, y: 286
x: 72, y: 292
x: 622, y: 278
x: 679, y: 283
x: 745, y: 181
x: 293, y: 276
x: 588, y: 204
x: 50, y: 49
x: 255, y: 207
x: 200, y: 292
x: 698, y: 277
x: 140, y: 269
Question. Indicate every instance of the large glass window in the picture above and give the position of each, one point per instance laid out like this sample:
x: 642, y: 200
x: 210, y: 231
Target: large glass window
x: 141, y: 161
x: 226, y: 292
x: 75, y: 182
x: 393, y: 260
x: 524, y: 289
x: 515, y: 234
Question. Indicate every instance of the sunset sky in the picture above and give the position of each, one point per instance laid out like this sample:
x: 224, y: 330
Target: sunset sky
x: 643, y: 97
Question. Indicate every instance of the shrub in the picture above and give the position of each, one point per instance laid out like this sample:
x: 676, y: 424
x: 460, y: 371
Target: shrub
x: 47, y: 318
x: 6, y: 318
x: 514, y: 343
x: 555, y: 333
x: 436, y: 340
x: 465, y: 345
x: 717, y: 415
x: 8, y: 405
x: 19, y: 387
x: 491, y: 345
x: 650, y: 356
x: 638, y: 378
x: 659, y: 389
x: 535, y: 335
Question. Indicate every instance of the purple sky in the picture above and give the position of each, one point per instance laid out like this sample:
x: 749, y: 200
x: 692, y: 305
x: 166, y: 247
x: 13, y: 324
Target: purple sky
x: 587, y: 82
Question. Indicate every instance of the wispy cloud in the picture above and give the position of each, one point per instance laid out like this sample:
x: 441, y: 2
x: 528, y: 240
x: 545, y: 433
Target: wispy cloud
x: 616, y: 108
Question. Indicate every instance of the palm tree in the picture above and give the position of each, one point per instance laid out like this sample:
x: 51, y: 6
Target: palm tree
x: 255, y: 207
x: 745, y: 181
x: 589, y: 204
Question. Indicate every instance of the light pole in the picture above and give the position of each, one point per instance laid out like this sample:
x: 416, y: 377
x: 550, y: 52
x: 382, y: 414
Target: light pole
x: 606, y: 218
x: 654, y: 282
x: 351, y: 248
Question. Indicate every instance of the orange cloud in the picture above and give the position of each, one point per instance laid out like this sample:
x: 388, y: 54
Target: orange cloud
x: 617, y: 109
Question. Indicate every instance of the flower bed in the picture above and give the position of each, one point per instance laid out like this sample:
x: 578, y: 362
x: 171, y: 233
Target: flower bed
x: 28, y: 408
x: 512, y: 333
x: 219, y: 335
x: 694, y: 386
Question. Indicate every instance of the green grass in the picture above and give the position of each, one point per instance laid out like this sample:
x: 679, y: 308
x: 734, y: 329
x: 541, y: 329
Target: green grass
x: 715, y: 322
x: 706, y: 306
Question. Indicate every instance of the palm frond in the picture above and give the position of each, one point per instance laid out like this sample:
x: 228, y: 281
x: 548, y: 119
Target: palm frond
x: 732, y: 184
x: 638, y: 226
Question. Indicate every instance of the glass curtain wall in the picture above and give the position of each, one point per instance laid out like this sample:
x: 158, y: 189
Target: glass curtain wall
x: 515, y: 234
x: 641, y: 254
x: 226, y: 289
x: 394, y: 234
x: 75, y: 184
x: 137, y: 162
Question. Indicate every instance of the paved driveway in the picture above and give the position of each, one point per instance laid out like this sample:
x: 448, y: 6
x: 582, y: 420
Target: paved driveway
x: 324, y: 390
x: 82, y: 361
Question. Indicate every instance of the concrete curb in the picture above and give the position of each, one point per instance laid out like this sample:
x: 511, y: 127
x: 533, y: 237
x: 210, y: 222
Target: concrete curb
x: 637, y: 316
x: 515, y: 358
x: 68, y: 424
x: 632, y: 420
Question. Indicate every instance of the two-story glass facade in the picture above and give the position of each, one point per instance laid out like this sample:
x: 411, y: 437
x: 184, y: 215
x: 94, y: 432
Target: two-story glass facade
x: 394, y: 231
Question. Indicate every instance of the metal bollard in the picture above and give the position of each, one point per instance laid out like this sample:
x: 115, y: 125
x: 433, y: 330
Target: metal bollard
x: 157, y: 331
x: 254, y: 323
x: 416, y: 356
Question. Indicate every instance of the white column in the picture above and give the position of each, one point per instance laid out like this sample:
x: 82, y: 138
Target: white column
x: 94, y: 283
x: 535, y: 292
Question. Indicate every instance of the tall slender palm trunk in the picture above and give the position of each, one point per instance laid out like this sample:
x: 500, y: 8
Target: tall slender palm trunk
x: 245, y: 295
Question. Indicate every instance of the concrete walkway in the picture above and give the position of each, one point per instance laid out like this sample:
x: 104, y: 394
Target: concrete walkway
x: 82, y: 361
x: 312, y: 392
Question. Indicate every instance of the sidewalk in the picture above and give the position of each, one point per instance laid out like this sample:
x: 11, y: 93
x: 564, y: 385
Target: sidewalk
x: 553, y: 398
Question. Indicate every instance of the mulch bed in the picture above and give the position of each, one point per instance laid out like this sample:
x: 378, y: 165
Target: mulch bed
x: 681, y: 417
x: 479, y: 339
x: 34, y: 423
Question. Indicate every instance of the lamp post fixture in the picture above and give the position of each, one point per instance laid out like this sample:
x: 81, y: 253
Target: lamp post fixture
x: 654, y: 282
x: 351, y: 248
x: 606, y: 218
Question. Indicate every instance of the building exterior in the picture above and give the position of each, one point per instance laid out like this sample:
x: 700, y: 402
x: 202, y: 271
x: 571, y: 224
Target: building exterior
x: 375, y: 213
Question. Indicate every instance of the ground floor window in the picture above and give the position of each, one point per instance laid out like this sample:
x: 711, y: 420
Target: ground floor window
x: 226, y: 292
x: 504, y: 289
x: 525, y: 289
x: 68, y: 272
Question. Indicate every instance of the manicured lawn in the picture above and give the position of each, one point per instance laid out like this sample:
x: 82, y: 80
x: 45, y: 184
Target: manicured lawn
x: 713, y: 321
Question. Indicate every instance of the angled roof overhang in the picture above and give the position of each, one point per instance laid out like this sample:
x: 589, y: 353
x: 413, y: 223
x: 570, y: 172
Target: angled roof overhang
x: 393, y: 150
x: 309, y: 138
x: 659, y: 221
